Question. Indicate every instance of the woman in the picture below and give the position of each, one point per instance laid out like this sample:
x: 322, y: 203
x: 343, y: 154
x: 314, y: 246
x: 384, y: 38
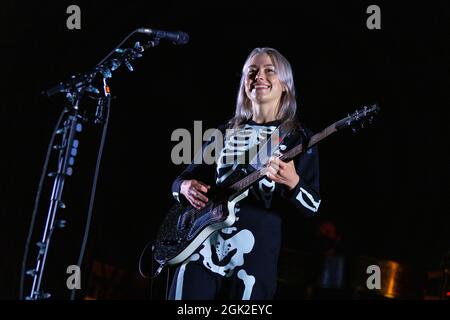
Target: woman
x: 240, y: 262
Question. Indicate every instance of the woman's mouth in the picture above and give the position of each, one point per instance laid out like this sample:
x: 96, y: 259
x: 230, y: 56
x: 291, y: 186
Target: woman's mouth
x: 260, y: 87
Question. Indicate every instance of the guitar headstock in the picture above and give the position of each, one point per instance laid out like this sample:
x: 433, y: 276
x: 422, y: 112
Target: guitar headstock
x: 359, y: 118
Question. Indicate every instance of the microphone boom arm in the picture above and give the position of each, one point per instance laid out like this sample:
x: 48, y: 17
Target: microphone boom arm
x: 105, y: 68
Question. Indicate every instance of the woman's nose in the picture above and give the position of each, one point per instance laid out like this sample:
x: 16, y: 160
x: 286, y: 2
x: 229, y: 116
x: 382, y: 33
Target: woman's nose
x: 259, y: 75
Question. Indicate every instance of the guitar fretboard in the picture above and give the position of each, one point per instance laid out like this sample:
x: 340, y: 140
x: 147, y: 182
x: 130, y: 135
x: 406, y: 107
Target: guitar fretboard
x: 289, y: 155
x: 357, y: 117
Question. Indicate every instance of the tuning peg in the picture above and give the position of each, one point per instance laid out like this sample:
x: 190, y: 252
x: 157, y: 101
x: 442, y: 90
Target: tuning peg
x: 348, y: 122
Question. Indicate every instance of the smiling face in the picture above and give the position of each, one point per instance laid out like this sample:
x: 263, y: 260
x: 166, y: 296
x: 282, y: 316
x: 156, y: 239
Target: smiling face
x: 265, y: 74
x: 262, y: 84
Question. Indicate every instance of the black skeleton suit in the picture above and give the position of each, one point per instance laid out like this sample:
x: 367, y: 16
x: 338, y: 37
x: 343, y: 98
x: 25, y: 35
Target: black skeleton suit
x: 240, y: 262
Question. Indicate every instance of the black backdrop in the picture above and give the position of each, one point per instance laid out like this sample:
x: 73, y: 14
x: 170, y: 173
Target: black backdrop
x: 386, y: 186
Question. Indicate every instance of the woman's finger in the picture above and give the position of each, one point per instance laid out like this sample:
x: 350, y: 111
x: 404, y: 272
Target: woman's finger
x: 201, y: 186
x: 201, y: 197
x: 197, y: 192
x: 282, y: 164
x: 274, y: 165
x: 272, y: 170
x: 197, y: 195
x: 196, y: 203
x: 274, y: 177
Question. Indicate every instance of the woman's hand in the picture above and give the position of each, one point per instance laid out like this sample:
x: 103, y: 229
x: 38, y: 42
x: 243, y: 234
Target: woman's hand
x: 194, y: 191
x: 282, y: 172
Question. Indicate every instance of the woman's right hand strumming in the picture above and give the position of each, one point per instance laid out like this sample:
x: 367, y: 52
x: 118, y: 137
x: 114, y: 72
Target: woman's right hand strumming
x: 194, y: 191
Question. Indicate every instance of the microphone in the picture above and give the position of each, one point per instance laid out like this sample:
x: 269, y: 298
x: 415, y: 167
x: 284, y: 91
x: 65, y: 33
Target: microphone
x: 177, y: 37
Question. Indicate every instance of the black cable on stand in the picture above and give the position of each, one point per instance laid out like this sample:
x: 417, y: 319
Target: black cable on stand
x: 100, y: 117
x: 72, y: 124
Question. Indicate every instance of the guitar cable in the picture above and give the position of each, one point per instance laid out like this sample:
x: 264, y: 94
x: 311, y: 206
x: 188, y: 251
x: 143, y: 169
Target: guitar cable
x: 141, y: 272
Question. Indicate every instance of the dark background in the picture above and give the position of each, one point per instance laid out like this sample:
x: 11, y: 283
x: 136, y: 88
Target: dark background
x: 385, y: 186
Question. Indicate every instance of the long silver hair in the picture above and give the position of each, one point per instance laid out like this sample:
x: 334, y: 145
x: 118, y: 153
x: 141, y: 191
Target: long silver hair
x: 288, y: 105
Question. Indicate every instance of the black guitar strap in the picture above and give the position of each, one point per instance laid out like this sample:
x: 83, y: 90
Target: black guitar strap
x: 305, y: 138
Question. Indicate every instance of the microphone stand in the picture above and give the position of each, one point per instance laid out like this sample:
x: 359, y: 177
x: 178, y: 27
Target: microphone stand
x: 67, y: 152
x: 74, y: 89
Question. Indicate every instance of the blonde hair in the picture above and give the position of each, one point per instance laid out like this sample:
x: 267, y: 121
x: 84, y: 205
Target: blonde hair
x: 288, y: 105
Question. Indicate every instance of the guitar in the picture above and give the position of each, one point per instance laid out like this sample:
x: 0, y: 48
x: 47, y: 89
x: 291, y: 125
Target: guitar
x: 185, y: 228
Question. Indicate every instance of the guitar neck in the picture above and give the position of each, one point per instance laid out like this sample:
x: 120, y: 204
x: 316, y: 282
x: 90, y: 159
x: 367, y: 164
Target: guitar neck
x: 289, y: 155
x: 358, y: 117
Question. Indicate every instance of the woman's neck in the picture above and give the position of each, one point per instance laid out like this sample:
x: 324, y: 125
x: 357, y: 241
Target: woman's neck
x: 264, y: 113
